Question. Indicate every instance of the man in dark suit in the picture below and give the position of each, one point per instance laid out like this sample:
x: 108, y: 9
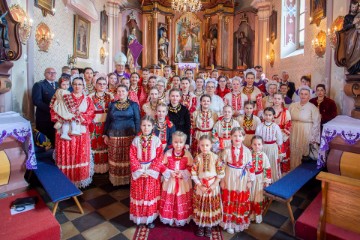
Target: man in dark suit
x: 291, y: 85
x: 42, y: 93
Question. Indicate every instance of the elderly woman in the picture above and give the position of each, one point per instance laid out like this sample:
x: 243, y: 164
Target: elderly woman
x: 217, y: 104
x: 326, y: 106
x: 253, y: 93
x: 101, y: 100
x: 73, y: 156
x: 271, y: 88
x: 305, y: 127
x: 121, y: 126
x: 305, y: 81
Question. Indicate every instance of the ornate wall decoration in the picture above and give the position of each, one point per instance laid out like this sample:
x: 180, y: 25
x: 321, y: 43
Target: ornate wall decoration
x: 317, y: 11
x: 46, y: 6
x: 20, y: 16
x: 43, y: 37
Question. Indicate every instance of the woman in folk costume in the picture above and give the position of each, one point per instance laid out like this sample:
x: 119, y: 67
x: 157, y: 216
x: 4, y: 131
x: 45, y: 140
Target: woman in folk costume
x: 207, y: 171
x: 121, y: 126
x: 188, y: 99
x: 202, y: 122
x: 199, y: 90
x: 262, y: 170
x: 175, y: 204
x: 283, y: 119
x: 146, y: 155
x: 222, y: 90
x: 149, y: 108
x: 271, y: 88
x: 113, y: 82
x: 222, y: 129
x: 253, y: 93
x: 101, y: 100
x: 272, y: 136
x: 145, y: 90
x: 134, y: 90
x: 88, y: 80
x: 164, y: 128
x: 160, y: 85
x: 236, y: 98
x: 249, y: 122
x: 73, y: 157
x: 236, y: 185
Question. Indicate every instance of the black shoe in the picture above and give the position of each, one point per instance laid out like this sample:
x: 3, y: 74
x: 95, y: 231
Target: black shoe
x: 208, y: 232
x: 200, y: 232
x: 151, y: 225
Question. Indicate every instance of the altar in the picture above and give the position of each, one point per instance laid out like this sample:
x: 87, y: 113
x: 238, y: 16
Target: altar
x: 181, y: 67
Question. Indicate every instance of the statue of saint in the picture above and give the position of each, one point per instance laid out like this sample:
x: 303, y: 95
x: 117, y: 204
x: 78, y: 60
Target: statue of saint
x: 179, y: 57
x: 352, y: 34
x: 130, y: 57
x: 212, y: 44
x: 163, y: 49
x: 196, y: 57
x: 244, y: 47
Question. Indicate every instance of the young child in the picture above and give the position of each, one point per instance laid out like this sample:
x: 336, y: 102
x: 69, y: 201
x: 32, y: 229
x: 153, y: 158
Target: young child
x: 146, y: 154
x: 262, y: 178
x: 64, y: 108
x: 164, y: 128
x: 249, y: 122
x: 207, y: 171
x: 222, y: 129
x: 239, y: 174
x: 175, y: 203
x: 272, y: 136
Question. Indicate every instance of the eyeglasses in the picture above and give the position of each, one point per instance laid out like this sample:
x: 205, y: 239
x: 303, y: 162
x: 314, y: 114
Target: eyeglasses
x: 210, y: 86
x: 50, y: 72
x: 222, y: 81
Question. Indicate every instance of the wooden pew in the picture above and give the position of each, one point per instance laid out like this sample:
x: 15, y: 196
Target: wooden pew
x: 340, y: 203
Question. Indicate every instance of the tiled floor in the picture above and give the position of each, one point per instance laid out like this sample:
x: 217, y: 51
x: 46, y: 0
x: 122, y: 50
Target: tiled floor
x: 107, y: 214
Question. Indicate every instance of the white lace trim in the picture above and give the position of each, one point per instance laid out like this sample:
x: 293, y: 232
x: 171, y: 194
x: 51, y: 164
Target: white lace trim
x: 143, y: 202
x: 143, y: 220
x: 177, y: 222
x: 236, y: 227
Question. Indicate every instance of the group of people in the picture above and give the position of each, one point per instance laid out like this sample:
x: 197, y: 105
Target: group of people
x: 198, y: 148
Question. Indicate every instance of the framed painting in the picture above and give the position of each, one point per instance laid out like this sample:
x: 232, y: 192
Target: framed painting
x: 46, y: 6
x: 81, y: 37
x: 104, y: 26
x: 317, y: 11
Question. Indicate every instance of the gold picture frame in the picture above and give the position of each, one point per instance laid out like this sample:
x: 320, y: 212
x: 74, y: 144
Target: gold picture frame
x: 46, y: 6
x: 82, y: 28
x: 317, y: 11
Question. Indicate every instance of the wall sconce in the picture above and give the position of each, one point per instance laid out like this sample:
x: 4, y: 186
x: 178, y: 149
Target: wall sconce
x: 103, y: 55
x: 319, y: 44
x: 26, y: 23
x: 43, y: 37
x: 71, y: 61
x: 271, y: 57
x: 337, y: 25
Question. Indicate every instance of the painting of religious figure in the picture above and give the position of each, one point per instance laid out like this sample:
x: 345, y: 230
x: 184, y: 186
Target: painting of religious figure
x: 103, y: 26
x: 81, y: 37
x: 317, y: 11
x: 188, y: 32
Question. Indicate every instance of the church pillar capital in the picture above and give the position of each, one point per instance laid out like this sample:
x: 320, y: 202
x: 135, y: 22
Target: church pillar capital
x: 112, y: 9
x: 264, y: 8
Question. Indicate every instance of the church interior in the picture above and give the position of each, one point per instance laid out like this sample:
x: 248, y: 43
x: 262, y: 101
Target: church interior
x: 272, y: 86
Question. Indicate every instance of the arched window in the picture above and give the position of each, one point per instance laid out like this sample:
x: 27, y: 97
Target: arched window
x: 292, y: 27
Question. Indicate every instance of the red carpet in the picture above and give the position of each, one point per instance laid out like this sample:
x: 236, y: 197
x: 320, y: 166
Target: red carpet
x: 165, y: 232
x: 36, y: 224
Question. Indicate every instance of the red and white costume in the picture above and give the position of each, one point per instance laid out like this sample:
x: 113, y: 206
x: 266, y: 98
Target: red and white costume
x: 221, y: 133
x: 255, y: 96
x: 176, y: 195
x: 189, y: 101
x: 236, y: 101
x: 249, y: 124
x: 146, y: 155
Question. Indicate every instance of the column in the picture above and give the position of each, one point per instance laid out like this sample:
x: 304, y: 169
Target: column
x: 206, y: 33
x: 113, y: 13
x: 264, y: 8
x: 155, y: 39
x: 219, y: 42
x: 171, y: 40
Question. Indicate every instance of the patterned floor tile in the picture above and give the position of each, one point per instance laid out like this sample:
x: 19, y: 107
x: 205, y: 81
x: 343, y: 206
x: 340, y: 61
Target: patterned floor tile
x: 120, y: 236
x: 92, y: 193
x: 77, y: 237
x: 113, y: 210
x: 297, y: 201
x: 88, y: 221
x: 242, y: 236
x: 101, y: 201
x: 68, y: 230
x: 261, y: 231
x: 126, y: 201
x: 73, y: 212
x: 287, y: 227
x: 61, y: 218
x: 120, y: 194
x: 102, y: 231
x: 274, y: 219
x: 129, y: 233
x: 280, y: 235
x: 122, y: 222
x: 280, y: 208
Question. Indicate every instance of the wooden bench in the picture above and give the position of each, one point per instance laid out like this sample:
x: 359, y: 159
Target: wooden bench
x: 56, y: 184
x: 340, y: 203
x: 285, y: 188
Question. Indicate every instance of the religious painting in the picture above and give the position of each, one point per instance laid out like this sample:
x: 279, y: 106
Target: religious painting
x: 104, y: 26
x: 317, y: 11
x: 273, y: 27
x: 188, y: 35
x: 81, y: 37
x: 46, y: 6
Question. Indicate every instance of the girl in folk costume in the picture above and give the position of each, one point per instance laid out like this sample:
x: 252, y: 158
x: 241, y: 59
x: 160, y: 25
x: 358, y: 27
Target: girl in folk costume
x: 175, y: 204
x: 249, y: 122
x: 222, y: 128
x: 222, y: 90
x: 164, y: 128
x: 113, y: 82
x: 236, y: 185
x: 199, y: 90
x: 101, y: 100
x: 146, y: 155
x: 271, y: 88
x: 144, y: 94
x: 73, y: 157
x: 262, y: 170
x: 253, y: 93
x: 202, y: 122
x: 134, y: 90
x: 149, y: 108
x: 207, y: 171
x: 88, y: 77
x: 188, y: 99
x: 236, y: 98
x: 175, y: 84
x: 283, y: 119
x: 160, y: 85
x: 272, y: 136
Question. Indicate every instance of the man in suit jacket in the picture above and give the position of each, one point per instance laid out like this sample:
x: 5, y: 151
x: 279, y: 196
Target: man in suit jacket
x: 42, y: 93
x: 291, y: 85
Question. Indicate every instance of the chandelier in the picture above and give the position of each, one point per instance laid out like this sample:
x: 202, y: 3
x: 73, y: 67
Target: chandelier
x: 186, y: 5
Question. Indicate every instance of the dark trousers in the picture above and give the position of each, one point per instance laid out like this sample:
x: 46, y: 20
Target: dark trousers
x: 47, y: 128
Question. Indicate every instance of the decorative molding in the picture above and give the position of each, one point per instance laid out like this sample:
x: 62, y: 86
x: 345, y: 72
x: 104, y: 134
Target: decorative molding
x: 264, y: 8
x: 112, y: 9
x: 84, y: 8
